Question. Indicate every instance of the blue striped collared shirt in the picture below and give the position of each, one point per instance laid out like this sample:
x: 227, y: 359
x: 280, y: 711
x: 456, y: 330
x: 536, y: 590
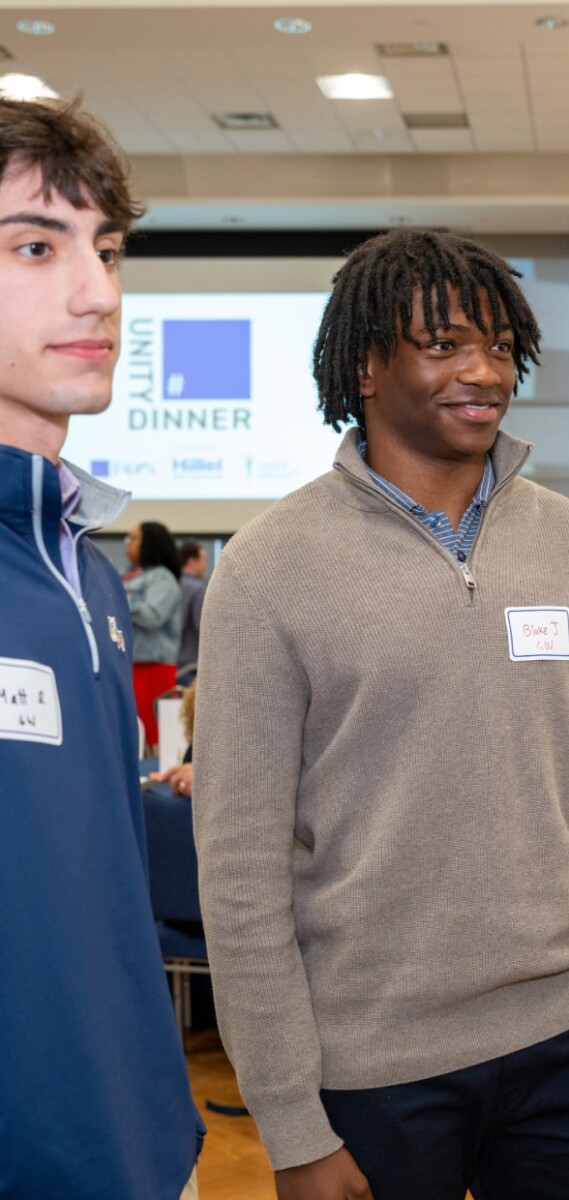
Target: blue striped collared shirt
x: 459, y: 541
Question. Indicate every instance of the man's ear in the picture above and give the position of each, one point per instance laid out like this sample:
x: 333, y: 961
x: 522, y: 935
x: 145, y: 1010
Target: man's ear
x: 366, y: 379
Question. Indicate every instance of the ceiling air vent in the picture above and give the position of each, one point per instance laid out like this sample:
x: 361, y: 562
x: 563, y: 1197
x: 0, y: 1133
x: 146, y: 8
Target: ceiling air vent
x: 436, y: 120
x: 412, y: 49
x: 240, y: 121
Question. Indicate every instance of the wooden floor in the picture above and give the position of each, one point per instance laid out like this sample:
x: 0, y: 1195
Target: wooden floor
x: 233, y: 1164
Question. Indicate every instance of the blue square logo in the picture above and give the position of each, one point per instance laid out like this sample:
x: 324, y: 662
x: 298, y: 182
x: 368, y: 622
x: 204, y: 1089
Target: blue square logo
x: 207, y: 360
x: 100, y: 467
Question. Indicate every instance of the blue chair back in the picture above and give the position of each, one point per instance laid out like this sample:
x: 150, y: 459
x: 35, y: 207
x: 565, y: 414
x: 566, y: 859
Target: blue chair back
x: 172, y: 861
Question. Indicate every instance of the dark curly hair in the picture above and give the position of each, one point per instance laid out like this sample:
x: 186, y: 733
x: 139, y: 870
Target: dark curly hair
x: 372, y: 302
x: 76, y: 154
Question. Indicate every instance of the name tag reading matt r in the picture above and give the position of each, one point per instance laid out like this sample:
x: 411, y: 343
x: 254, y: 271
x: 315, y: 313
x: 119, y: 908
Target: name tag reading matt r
x: 535, y: 633
x: 29, y: 703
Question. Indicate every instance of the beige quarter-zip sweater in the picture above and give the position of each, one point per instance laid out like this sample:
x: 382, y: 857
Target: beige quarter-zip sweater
x: 381, y: 793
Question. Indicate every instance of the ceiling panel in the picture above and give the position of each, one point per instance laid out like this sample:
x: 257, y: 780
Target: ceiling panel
x: 498, y: 49
x: 493, y: 137
x: 352, y: 52
x: 311, y: 142
x: 271, y: 141
x: 424, y: 84
x: 154, y: 89
x: 496, y: 98
x: 218, y: 84
x: 375, y: 114
x: 443, y: 141
x: 368, y: 142
x: 551, y: 141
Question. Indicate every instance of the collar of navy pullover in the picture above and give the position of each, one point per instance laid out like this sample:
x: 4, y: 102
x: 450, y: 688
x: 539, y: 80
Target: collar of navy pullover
x: 98, y: 504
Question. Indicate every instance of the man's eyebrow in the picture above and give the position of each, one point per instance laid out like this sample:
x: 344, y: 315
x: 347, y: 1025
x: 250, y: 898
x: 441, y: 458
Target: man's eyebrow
x: 58, y: 226
x: 111, y: 226
x: 31, y: 218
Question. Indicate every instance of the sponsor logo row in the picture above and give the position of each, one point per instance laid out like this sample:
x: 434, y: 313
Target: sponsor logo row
x: 191, y: 467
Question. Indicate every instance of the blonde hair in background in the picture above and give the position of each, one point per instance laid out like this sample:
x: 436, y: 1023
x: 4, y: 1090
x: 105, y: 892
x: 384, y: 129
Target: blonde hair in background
x: 189, y: 710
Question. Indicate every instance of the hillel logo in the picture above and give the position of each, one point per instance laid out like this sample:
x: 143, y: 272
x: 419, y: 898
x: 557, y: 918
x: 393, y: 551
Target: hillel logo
x: 204, y: 468
x: 206, y: 360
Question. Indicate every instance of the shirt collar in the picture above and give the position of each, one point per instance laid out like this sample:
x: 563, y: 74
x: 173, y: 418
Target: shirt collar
x: 479, y: 499
x: 70, y: 489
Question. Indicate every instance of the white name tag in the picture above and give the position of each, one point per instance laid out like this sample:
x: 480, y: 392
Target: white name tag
x: 535, y: 633
x: 29, y: 703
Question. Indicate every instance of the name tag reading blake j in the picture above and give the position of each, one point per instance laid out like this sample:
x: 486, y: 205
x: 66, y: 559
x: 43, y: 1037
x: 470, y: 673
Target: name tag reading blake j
x: 29, y: 703
x: 536, y: 633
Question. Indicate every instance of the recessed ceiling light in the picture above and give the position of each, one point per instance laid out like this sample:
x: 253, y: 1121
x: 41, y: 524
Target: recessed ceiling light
x: 355, y: 87
x: 25, y: 87
x: 292, y: 25
x: 36, y: 28
x: 551, y: 22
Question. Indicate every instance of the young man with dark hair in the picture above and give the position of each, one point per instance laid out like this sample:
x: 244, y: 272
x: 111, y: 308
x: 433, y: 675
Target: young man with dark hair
x: 95, y: 1099
x: 193, y: 559
x: 381, y: 777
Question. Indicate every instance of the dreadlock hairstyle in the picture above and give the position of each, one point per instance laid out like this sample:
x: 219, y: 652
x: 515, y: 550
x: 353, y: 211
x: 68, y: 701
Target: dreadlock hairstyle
x: 372, y: 303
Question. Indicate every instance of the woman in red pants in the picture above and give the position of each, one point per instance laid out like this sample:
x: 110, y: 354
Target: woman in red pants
x: 155, y: 603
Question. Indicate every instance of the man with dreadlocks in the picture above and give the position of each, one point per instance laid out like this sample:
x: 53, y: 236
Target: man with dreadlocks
x: 381, y: 771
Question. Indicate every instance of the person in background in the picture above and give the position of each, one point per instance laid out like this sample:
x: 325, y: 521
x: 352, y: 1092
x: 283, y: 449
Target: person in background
x: 155, y: 602
x: 381, y: 774
x: 179, y: 777
x: 93, y: 1083
x: 193, y: 561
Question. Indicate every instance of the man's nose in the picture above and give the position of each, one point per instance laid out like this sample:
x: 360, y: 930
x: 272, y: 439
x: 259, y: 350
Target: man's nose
x: 478, y: 368
x: 94, y: 289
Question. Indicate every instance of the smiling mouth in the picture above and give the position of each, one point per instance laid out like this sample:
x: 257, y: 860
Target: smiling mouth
x: 475, y: 412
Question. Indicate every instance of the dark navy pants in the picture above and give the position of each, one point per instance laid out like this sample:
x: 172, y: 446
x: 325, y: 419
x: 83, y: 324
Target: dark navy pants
x: 499, y: 1129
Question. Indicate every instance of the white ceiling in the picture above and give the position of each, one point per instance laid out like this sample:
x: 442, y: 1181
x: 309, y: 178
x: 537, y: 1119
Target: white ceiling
x: 156, y: 76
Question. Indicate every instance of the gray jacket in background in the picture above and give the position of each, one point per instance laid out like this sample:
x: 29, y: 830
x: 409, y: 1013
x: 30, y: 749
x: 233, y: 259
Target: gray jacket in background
x: 155, y: 602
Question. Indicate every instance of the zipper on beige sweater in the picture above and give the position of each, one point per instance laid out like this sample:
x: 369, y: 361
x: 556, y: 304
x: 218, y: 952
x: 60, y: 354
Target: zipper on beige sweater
x: 468, y: 578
